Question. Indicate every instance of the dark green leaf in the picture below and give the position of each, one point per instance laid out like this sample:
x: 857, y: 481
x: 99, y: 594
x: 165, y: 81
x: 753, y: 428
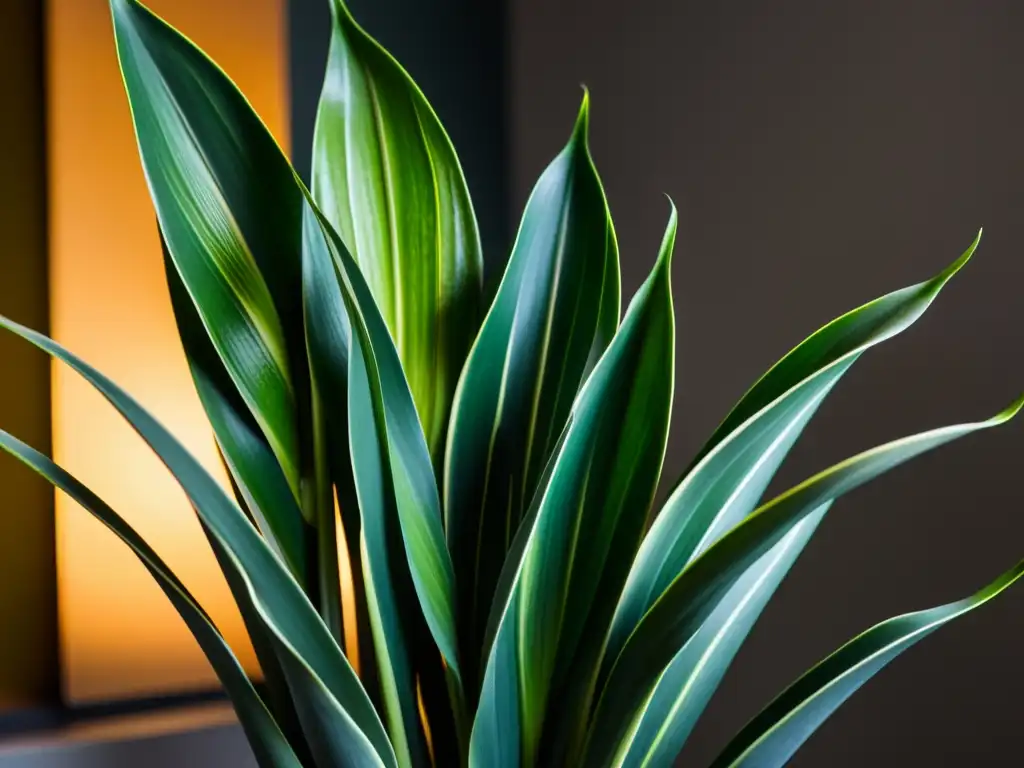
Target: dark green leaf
x: 303, y: 642
x: 248, y: 457
x: 742, y: 457
x: 230, y: 214
x: 692, y: 678
x: 408, y: 571
x: 264, y: 736
x: 772, y: 737
x: 554, y: 313
x: 688, y: 601
x: 584, y: 534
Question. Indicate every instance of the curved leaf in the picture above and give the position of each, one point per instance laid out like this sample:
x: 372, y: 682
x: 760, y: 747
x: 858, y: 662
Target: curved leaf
x: 745, y: 452
x: 230, y: 214
x: 583, y: 537
x: 299, y: 633
x: 681, y: 610
x: 387, y: 178
x: 263, y: 734
x: 554, y: 314
x: 689, y: 682
x: 772, y: 737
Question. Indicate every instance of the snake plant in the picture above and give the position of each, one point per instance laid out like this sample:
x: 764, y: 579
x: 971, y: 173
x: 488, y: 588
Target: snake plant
x: 441, y: 534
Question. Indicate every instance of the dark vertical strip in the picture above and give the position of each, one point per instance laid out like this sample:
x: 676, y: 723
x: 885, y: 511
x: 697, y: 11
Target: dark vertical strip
x: 28, y: 584
x: 456, y: 51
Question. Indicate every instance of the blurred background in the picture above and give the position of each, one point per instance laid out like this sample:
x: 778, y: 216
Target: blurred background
x: 820, y: 154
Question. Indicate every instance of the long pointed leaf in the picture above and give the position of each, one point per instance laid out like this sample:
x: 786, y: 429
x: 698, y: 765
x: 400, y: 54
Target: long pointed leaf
x: 248, y: 457
x: 386, y: 176
x: 745, y: 452
x: 301, y: 636
x: 584, y: 535
x: 772, y: 737
x: 553, y: 315
x: 399, y: 505
x: 681, y: 610
x: 230, y: 215
x: 268, y: 743
x: 690, y: 681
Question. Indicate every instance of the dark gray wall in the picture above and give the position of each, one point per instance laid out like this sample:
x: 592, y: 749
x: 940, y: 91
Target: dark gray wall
x: 455, y: 50
x: 822, y: 154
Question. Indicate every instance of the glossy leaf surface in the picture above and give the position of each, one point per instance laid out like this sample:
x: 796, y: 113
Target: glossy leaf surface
x: 689, y: 682
x: 727, y: 483
x: 319, y: 668
x: 772, y: 737
x: 230, y: 215
x: 246, y: 453
x: 583, y: 535
x: 554, y: 313
x: 386, y: 176
x: 681, y: 610
x: 268, y: 743
x: 406, y: 563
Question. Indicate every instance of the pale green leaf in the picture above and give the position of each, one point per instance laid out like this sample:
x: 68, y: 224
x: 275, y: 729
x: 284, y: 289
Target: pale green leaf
x: 387, y: 178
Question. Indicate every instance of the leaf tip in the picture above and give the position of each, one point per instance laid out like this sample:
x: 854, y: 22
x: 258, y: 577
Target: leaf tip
x: 668, y: 241
x: 580, y: 130
x: 957, y: 265
x: 1009, y: 411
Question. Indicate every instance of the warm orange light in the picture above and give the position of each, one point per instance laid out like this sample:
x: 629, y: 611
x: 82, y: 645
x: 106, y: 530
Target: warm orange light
x: 109, y: 303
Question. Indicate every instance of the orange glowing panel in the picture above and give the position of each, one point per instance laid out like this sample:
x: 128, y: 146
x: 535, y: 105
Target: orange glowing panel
x: 108, y: 301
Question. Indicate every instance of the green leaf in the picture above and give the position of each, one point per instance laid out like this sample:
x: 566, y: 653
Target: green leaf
x: 327, y: 343
x: 855, y: 331
x: 251, y: 463
x: 772, y: 737
x: 386, y: 176
x: 689, y: 682
x: 554, y: 314
x: 408, y: 571
x: 583, y: 537
x: 262, y: 732
x: 745, y: 452
x: 230, y: 214
x: 322, y: 681
x: 688, y: 601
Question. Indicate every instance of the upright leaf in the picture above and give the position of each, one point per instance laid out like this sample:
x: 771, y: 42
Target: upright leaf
x: 407, y: 568
x: 745, y: 452
x: 692, y: 596
x: 262, y: 732
x: 248, y: 457
x: 554, y: 313
x: 583, y: 536
x: 386, y: 176
x: 230, y: 214
x: 772, y: 737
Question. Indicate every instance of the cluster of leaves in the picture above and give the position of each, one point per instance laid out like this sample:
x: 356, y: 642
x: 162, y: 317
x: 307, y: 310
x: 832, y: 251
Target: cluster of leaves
x: 439, y: 539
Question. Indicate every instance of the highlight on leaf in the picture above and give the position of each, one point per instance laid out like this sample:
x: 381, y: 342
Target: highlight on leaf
x: 439, y: 538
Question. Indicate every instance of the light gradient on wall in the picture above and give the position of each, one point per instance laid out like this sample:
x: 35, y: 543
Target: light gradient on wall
x: 108, y: 302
